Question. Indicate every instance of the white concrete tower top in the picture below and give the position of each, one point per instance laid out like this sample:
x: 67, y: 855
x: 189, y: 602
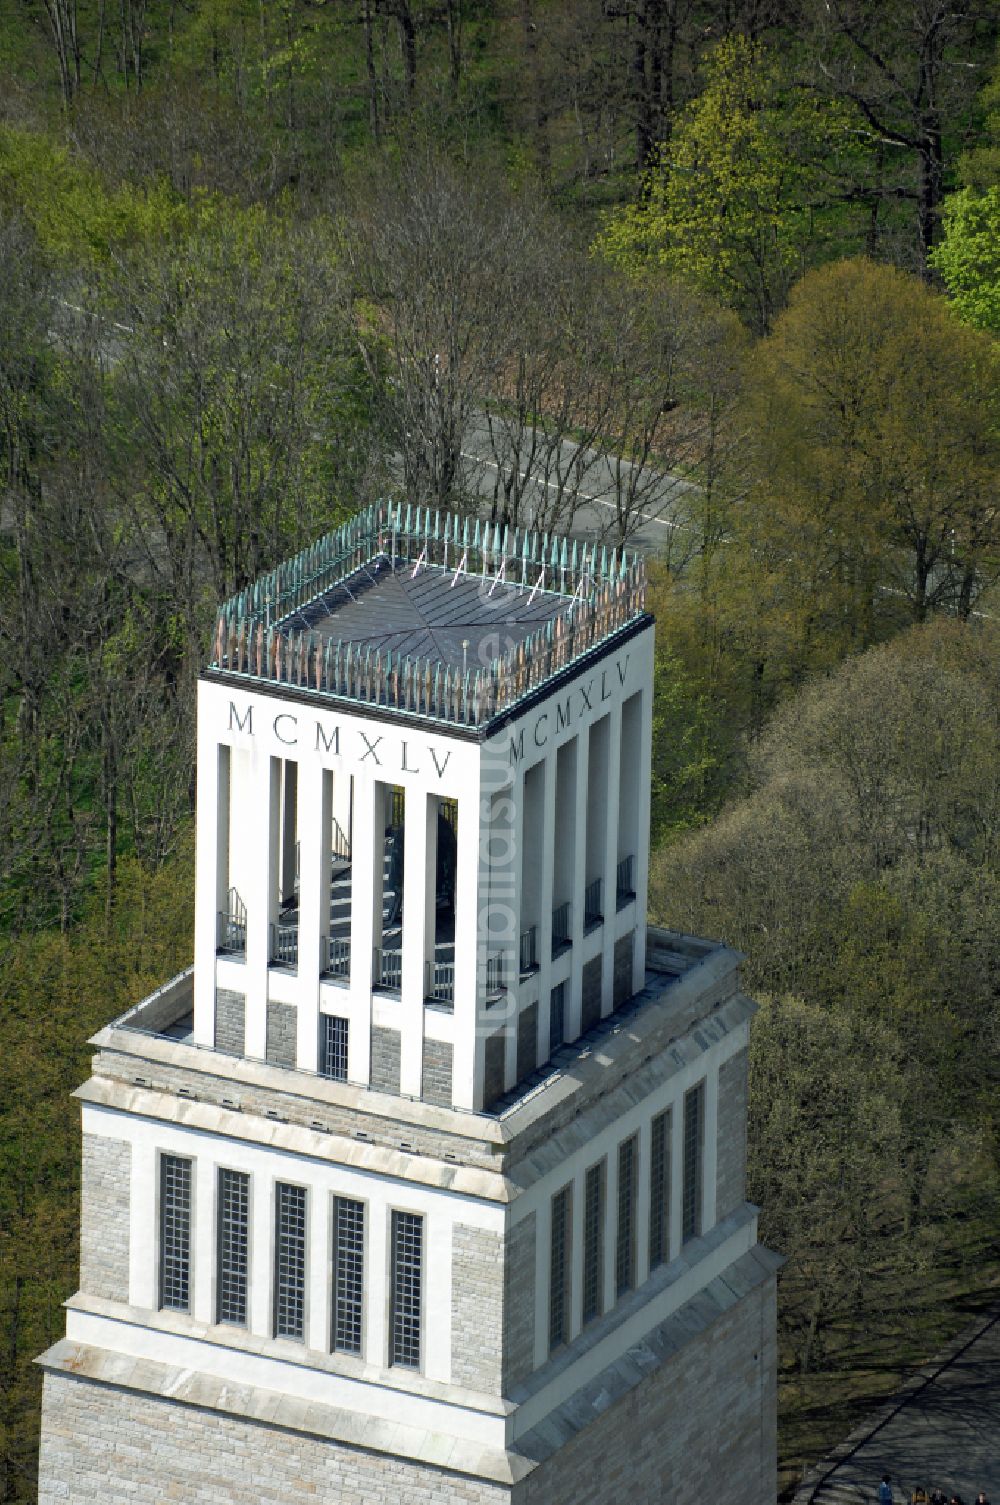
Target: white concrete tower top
x: 423, y: 778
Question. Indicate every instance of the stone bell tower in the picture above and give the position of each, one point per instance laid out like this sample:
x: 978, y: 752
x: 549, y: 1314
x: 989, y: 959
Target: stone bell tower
x: 426, y: 1182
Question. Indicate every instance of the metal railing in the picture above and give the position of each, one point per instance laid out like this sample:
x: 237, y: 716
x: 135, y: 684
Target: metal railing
x: 388, y: 969
x: 495, y: 983
x: 267, y: 632
x: 529, y: 949
x: 440, y: 984
x: 625, y: 882
x: 337, y: 961
x: 285, y: 945
x: 560, y: 927
x: 340, y: 845
x: 232, y: 925
x: 593, y: 910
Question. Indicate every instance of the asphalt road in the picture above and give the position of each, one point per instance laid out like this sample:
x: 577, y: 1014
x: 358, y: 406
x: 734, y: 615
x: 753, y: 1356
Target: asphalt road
x: 941, y: 1434
x: 662, y: 505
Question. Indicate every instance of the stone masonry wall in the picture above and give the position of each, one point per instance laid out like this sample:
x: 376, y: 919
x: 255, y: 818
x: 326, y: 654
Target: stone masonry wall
x: 476, y: 1308
x: 105, y: 1197
x: 731, y: 1175
x: 493, y: 1067
x: 295, y: 1107
x: 230, y: 1022
x: 281, y: 1030
x: 519, y: 1303
x: 385, y: 1059
x: 622, y: 983
x: 590, y: 1012
x: 527, y: 1041
x: 702, y: 1427
x: 437, y: 1068
x: 103, y: 1446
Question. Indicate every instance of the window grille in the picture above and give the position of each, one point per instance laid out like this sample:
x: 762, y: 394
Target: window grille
x: 557, y: 1017
x: 333, y: 1047
x: 233, y: 1247
x: 659, y: 1190
x: 407, y: 1279
x: 593, y: 1243
x: 559, y: 1270
x: 348, y: 1273
x: 625, y: 1242
x: 289, y: 1261
x: 175, y: 1233
x: 694, y: 1135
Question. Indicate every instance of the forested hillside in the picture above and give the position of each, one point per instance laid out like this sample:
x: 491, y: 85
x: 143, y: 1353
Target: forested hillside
x: 261, y: 262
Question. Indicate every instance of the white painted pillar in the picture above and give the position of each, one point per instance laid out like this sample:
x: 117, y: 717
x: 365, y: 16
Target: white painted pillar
x: 367, y: 849
x: 203, y: 1240
x: 418, y: 895
x: 376, y: 1347
x: 547, y: 892
x: 261, y: 1256
x: 642, y: 1187
x: 676, y: 1175
x: 710, y: 1159
x: 642, y: 840
x: 611, y: 1229
x: 512, y: 962
x: 261, y: 881
x: 436, y: 1336
x: 574, y: 1000
x: 576, y: 1261
x: 543, y: 1276
x: 467, y: 1060
x: 319, y: 1243
x: 144, y: 1236
x: 210, y: 830
x: 611, y: 857
x: 314, y: 903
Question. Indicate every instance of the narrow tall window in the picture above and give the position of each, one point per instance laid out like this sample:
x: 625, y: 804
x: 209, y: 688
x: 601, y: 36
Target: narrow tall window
x: 333, y: 1047
x: 407, y: 1281
x: 593, y: 1243
x: 232, y: 1247
x: 348, y: 1273
x: 625, y: 1240
x: 559, y: 1270
x: 289, y: 1261
x: 659, y: 1190
x: 175, y: 1233
x: 557, y: 1017
x: 694, y: 1137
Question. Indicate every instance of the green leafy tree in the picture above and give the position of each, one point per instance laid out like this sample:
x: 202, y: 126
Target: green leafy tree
x: 968, y: 257
x: 875, y: 419
x: 729, y: 203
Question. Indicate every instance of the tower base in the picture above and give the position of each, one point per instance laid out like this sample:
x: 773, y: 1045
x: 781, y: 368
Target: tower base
x: 691, y: 1409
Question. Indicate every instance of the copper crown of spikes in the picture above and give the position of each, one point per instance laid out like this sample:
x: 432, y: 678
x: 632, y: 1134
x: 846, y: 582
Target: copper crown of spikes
x: 255, y: 636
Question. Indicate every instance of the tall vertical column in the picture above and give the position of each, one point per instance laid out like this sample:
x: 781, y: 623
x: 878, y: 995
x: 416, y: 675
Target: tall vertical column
x: 467, y: 1061
x: 203, y: 1243
x: 710, y: 1164
x: 208, y: 837
x: 575, y: 999
x: 367, y: 849
x: 642, y: 840
x: 314, y: 793
x: 418, y: 897
x: 261, y: 897
x: 512, y: 961
x: 548, y: 890
x: 611, y: 857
